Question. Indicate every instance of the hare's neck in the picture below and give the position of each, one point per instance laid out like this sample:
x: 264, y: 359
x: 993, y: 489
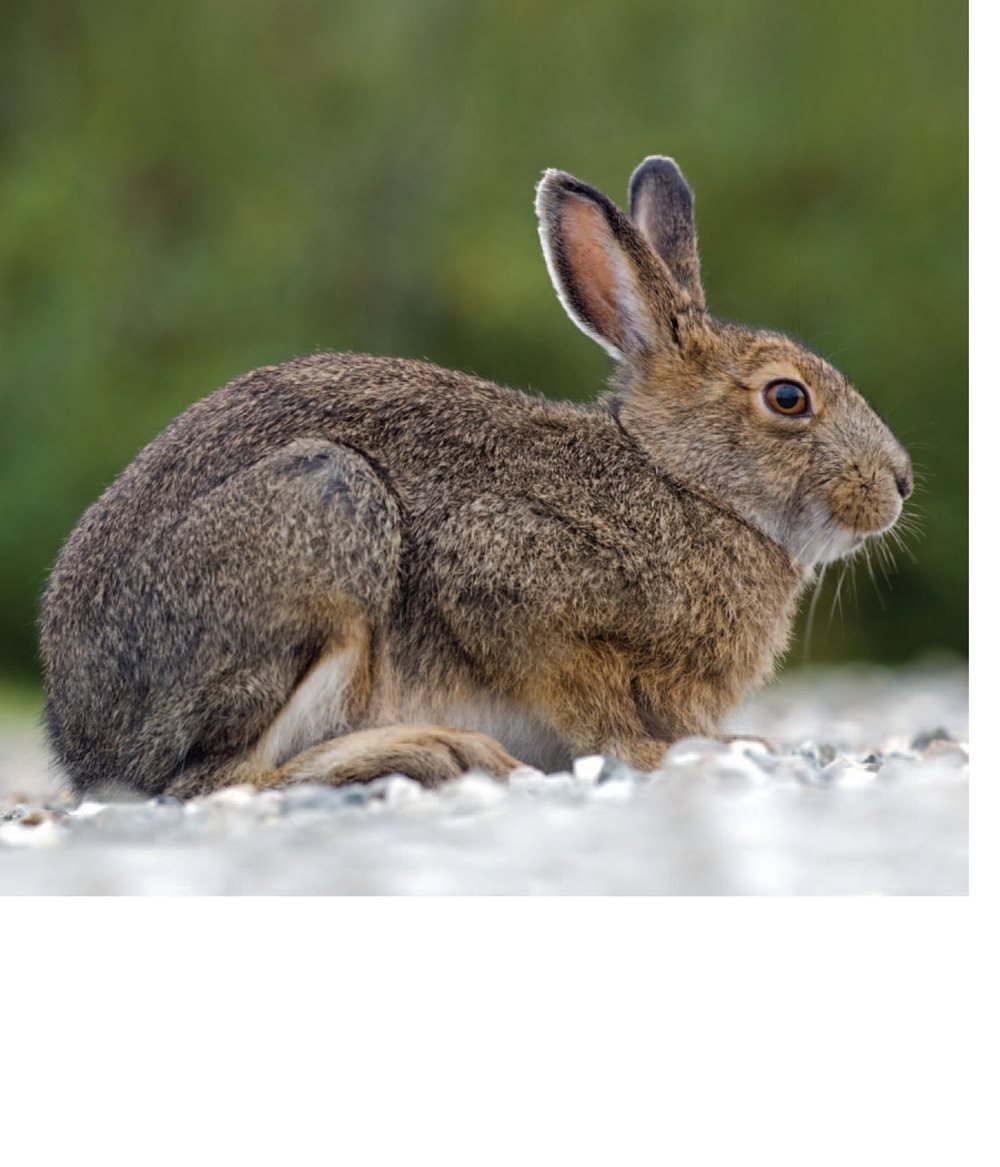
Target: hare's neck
x: 692, y: 472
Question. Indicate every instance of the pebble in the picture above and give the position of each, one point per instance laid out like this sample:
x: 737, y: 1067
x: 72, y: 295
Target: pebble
x: 819, y: 753
x: 526, y: 779
x: 736, y: 772
x: 231, y: 796
x: 613, y: 769
x: 28, y: 831
x: 312, y: 796
x: 473, y: 792
x: 87, y: 809
x: 846, y: 774
x: 588, y: 768
x: 693, y: 749
x: 403, y: 793
x: 948, y: 751
x: 923, y: 740
x: 620, y: 789
x: 362, y: 793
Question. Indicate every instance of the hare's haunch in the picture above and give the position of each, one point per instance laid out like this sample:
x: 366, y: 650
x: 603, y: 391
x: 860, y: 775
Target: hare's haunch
x: 312, y: 572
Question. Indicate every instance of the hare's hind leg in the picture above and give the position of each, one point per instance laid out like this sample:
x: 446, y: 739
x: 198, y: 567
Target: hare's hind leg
x: 268, y: 619
x: 428, y: 753
x: 307, y: 545
x: 339, y: 691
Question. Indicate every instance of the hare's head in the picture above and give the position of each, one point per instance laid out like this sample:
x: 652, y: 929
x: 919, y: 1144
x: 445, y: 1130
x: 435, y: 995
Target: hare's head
x: 747, y: 417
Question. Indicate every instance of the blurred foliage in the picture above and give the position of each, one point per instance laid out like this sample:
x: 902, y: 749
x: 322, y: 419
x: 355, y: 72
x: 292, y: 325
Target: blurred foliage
x: 189, y: 190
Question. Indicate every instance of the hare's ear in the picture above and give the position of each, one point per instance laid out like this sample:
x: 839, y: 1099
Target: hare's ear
x: 607, y: 277
x: 661, y: 205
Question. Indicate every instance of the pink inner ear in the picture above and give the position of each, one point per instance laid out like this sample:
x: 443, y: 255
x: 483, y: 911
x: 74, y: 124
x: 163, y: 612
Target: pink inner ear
x: 645, y: 218
x: 588, y: 248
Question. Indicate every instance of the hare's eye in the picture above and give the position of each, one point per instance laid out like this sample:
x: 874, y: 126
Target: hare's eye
x: 787, y: 397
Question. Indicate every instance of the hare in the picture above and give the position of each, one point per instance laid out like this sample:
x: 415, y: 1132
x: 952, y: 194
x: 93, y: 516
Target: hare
x: 347, y: 566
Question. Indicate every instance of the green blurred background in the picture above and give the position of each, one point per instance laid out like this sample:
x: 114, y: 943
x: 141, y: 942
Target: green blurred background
x: 192, y: 189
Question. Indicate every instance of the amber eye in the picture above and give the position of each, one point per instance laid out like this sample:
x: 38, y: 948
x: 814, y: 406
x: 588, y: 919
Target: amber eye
x: 787, y: 397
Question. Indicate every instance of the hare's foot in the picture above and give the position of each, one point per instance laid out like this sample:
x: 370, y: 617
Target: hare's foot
x: 430, y: 754
x: 648, y: 753
x: 642, y: 753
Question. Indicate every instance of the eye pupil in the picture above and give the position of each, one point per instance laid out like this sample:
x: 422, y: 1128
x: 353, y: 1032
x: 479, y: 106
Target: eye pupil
x: 787, y: 397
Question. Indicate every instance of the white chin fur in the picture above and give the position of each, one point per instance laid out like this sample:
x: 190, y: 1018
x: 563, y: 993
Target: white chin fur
x: 842, y: 543
x: 814, y: 538
x: 817, y: 537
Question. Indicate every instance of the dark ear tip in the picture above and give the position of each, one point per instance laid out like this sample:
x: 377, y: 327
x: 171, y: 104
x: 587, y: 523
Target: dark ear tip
x: 555, y: 185
x: 551, y: 175
x: 658, y: 168
x: 550, y: 186
x: 660, y: 163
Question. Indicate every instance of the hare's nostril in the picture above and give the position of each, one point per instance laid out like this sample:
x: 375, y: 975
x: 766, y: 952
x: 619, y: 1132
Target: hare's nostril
x: 904, y: 484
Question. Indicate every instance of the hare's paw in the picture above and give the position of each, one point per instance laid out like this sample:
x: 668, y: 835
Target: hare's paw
x: 430, y: 754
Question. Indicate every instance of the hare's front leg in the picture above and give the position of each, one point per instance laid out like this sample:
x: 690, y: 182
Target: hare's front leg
x: 592, y: 697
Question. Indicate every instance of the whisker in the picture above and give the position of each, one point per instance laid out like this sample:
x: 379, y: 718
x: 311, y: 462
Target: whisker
x: 812, y: 612
x: 835, y: 606
x: 871, y: 573
x: 907, y: 526
x: 885, y: 560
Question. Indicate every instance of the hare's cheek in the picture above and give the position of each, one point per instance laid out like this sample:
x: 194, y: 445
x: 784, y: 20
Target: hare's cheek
x: 864, y: 499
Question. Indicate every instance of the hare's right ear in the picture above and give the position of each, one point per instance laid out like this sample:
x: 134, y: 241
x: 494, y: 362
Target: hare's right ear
x: 661, y: 205
x: 608, y: 278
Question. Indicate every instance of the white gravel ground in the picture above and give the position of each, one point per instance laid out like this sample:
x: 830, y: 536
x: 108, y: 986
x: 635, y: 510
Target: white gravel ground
x: 866, y: 794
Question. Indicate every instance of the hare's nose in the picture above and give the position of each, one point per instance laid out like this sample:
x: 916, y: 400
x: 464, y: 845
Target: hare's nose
x: 904, y: 484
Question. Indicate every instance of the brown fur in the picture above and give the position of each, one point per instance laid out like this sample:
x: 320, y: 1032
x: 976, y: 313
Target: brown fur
x: 310, y: 566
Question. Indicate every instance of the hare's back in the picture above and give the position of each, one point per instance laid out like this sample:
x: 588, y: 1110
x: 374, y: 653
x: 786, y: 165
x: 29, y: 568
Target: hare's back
x: 417, y: 422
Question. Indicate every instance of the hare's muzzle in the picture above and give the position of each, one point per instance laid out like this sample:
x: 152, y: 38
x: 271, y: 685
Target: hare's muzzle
x: 866, y: 497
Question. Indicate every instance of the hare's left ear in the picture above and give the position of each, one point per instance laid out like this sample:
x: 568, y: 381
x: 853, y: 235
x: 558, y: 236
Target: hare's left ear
x: 608, y: 278
x: 661, y: 205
